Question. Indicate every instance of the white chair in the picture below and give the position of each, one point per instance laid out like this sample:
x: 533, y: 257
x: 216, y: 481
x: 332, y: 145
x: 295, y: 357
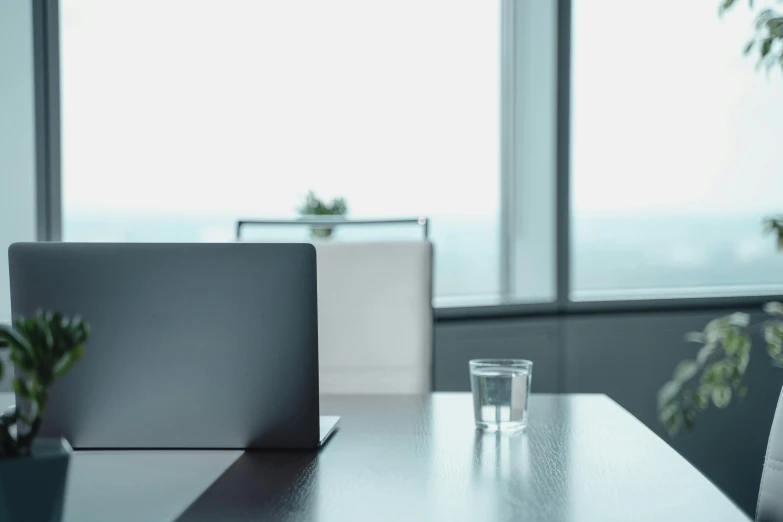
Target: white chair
x: 770, y: 502
x: 375, y: 318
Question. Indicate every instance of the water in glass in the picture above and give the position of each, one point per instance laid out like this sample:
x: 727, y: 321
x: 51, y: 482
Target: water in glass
x: 500, y: 396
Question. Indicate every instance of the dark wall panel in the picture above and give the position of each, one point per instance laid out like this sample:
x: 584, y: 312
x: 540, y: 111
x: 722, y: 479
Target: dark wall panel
x: 628, y: 357
x: 458, y: 342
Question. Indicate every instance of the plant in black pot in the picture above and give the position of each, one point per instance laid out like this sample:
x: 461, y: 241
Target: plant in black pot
x: 313, y: 206
x: 33, y: 471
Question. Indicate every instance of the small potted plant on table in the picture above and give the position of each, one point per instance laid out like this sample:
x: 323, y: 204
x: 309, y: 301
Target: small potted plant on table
x: 313, y: 206
x: 33, y: 471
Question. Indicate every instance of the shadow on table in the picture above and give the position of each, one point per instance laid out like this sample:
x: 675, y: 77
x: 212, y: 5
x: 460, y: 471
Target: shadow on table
x: 261, y: 485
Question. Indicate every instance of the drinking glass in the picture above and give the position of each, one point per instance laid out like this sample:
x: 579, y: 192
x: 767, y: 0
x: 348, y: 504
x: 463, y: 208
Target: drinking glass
x: 501, y: 389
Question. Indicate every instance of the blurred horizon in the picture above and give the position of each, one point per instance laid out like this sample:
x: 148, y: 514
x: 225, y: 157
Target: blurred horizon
x: 638, y: 254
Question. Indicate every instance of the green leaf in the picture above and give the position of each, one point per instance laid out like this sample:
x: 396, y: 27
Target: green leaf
x: 774, y: 308
x: 744, y: 359
x: 736, y: 378
x: 744, y: 347
x: 79, y: 330
x: 15, y: 340
x: 771, y: 334
x: 704, y: 353
x: 669, y: 411
x: 774, y: 225
x: 713, y: 374
x: 766, y: 46
x: 46, y: 331
x: 739, y: 319
x: 763, y: 16
x: 731, y: 343
x: 725, y: 5
x: 66, y: 361
x: 721, y: 396
x: 685, y: 370
x: 775, y: 26
x: 667, y: 393
x: 22, y: 360
x: 715, y: 331
x: 688, y: 415
x: 21, y: 389
x: 674, y: 424
x: 748, y: 47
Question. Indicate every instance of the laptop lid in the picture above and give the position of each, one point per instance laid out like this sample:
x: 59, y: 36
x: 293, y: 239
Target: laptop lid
x: 192, y: 346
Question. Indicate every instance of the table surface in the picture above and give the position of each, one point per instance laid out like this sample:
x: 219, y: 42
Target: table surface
x: 582, y: 458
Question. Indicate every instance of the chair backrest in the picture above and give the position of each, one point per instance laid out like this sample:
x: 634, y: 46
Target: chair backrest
x: 375, y: 318
x: 770, y: 502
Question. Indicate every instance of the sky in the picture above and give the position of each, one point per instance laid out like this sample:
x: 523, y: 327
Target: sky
x: 241, y: 106
x: 668, y: 115
x: 238, y: 107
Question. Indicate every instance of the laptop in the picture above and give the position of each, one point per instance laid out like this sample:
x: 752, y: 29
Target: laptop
x: 210, y: 345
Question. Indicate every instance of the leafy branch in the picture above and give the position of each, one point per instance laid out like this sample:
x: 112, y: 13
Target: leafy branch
x: 718, y: 371
x: 767, y: 40
x: 774, y: 225
x: 43, y: 347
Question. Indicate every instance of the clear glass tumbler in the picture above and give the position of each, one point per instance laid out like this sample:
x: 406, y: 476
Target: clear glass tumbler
x: 501, y: 389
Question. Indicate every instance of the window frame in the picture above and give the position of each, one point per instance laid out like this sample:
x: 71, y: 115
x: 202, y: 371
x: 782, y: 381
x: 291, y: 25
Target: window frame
x: 49, y: 194
x: 46, y: 67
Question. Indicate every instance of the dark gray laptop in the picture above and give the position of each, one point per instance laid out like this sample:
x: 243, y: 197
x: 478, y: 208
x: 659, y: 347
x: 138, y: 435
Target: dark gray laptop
x: 193, y: 345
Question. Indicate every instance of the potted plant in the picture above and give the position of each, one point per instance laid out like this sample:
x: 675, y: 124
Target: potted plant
x: 716, y: 373
x: 314, y: 206
x: 33, y: 471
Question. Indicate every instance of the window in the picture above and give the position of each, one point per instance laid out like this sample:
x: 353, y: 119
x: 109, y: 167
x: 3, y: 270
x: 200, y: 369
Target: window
x: 17, y: 137
x: 675, y: 154
x: 181, y: 116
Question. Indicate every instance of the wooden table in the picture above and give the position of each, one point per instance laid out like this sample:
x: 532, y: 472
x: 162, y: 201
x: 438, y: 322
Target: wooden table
x: 583, y: 458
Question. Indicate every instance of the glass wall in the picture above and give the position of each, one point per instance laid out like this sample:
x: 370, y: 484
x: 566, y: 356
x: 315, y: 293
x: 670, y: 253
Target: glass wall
x: 181, y: 116
x: 675, y: 157
x: 17, y: 136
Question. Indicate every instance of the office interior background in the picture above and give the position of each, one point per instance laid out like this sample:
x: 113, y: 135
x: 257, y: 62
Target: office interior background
x: 595, y: 172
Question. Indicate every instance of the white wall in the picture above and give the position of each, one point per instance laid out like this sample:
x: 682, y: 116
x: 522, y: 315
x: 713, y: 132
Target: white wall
x: 17, y: 135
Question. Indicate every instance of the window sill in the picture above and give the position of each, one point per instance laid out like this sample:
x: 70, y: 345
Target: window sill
x: 455, y: 310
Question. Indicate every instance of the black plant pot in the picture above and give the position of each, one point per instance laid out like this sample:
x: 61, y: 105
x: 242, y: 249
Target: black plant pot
x: 32, y: 489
